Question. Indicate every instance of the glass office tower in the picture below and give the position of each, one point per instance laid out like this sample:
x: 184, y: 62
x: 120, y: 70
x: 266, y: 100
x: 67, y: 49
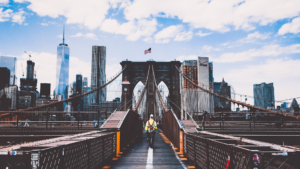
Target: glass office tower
x: 264, y: 95
x: 62, y: 70
x: 11, y: 64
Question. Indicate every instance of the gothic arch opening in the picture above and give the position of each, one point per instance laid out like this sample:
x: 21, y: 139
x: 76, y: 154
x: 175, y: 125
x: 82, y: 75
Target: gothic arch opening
x: 136, y: 94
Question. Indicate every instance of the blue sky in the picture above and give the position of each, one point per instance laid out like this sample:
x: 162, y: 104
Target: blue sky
x: 249, y: 41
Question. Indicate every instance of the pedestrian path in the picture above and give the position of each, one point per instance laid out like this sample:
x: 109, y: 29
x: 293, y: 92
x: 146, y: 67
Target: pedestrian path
x: 140, y: 156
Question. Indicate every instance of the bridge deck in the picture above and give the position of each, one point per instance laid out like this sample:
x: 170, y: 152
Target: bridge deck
x: 140, y: 156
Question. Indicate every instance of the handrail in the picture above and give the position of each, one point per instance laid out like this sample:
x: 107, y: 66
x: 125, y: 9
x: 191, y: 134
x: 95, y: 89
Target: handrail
x: 108, y: 118
x: 66, y: 100
x: 143, y: 92
x: 237, y: 102
x: 121, y: 121
x: 176, y: 119
x: 186, y: 113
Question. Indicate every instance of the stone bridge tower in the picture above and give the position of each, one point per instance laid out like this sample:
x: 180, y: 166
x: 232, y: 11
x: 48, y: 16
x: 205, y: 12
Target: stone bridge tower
x: 164, y: 71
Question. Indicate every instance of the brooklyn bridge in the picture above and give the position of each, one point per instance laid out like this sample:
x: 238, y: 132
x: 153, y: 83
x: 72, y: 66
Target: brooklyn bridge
x: 269, y: 139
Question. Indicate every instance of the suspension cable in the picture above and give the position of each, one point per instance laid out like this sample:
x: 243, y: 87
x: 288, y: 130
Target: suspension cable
x: 66, y: 100
x: 143, y: 92
x: 237, y: 102
x: 158, y: 93
x: 125, y: 104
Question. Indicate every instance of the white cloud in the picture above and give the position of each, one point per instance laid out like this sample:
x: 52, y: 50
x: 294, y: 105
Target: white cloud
x: 265, y: 51
x: 18, y: 17
x: 132, y: 29
x: 293, y: 27
x: 175, y: 32
x: 91, y: 36
x: 148, y: 39
x: 277, y: 71
x: 4, y: 2
x: 5, y: 15
x: 201, y: 34
x: 48, y: 23
x: 217, y: 15
x: 184, y: 36
x: 251, y: 38
x: 256, y: 35
x: 208, y: 48
x: 88, y: 13
x: 78, y: 35
x: 88, y: 36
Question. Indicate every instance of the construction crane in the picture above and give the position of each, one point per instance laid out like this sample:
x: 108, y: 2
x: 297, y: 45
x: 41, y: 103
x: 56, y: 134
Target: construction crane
x: 28, y: 54
x: 36, y: 71
x: 22, y: 70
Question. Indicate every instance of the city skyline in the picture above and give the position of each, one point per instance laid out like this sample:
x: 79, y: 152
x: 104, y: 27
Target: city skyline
x: 264, y: 49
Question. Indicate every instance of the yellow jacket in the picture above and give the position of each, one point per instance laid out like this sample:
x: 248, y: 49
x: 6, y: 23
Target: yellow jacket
x: 147, y: 127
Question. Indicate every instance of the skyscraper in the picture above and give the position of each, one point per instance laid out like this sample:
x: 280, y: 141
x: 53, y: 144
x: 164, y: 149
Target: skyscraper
x: 45, y: 90
x: 98, y: 76
x: 62, y: 69
x: 27, y: 93
x: 10, y: 63
x: 264, y: 95
x: 4, y: 77
x: 223, y: 89
x: 205, y: 102
x: 78, y: 84
x: 189, y: 92
x: 86, y: 99
x: 194, y: 100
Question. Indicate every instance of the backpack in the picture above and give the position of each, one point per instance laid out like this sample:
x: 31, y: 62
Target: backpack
x: 151, y: 126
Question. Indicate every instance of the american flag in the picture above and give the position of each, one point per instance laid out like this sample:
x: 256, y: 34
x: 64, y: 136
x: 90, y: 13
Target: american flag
x: 148, y: 51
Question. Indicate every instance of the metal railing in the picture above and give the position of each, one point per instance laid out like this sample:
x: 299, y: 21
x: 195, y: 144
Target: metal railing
x: 88, y: 151
x: 208, y: 151
x: 171, y: 127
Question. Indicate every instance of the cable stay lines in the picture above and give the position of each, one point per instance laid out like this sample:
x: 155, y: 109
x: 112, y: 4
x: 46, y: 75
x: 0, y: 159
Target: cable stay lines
x: 237, y: 102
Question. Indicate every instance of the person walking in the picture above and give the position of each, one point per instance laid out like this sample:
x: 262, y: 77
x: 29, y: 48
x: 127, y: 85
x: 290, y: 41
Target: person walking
x: 150, y: 130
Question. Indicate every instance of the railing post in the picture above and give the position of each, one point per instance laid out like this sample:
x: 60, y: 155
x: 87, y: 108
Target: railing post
x: 181, y: 142
x: 118, y: 143
x: 223, y: 119
x: 254, y: 116
x: 78, y: 119
x: 112, y: 145
x: 297, y: 159
x: 47, y: 118
x: 207, y: 154
x: 194, y: 150
x: 51, y: 115
x: 103, y: 146
x: 17, y: 120
x: 98, y: 117
x: 282, y: 120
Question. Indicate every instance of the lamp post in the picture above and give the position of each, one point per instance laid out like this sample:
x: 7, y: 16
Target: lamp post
x: 125, y: 86
x: 125, y: 91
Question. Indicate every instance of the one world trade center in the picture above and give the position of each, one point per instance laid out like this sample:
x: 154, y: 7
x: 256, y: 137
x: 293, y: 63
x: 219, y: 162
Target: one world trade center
x: 62, y: 70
